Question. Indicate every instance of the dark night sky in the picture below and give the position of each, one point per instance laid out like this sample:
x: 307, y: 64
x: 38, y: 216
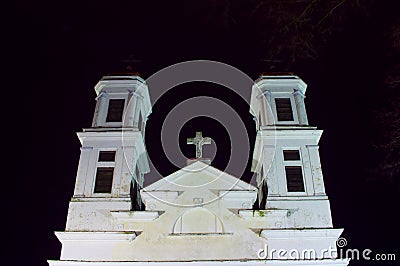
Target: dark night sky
x: 58, y: 52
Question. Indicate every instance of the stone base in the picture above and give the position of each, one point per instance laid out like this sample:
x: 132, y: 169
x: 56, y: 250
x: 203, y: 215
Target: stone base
x: 203, y: 160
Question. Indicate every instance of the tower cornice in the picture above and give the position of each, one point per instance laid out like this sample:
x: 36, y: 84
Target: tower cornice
x: 119, y: 81
x: 275, y: 83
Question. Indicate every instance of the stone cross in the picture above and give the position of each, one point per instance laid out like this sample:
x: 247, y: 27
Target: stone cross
x: 199, y: 141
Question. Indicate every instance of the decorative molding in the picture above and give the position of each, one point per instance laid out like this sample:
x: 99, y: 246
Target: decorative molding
x: 298, y: 92
x: 266, y: 93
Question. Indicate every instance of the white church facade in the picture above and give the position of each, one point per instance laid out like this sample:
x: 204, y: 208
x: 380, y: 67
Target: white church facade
x: 199, y: 215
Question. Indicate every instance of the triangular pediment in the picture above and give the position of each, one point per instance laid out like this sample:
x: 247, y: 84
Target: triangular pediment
x: 198, y: 175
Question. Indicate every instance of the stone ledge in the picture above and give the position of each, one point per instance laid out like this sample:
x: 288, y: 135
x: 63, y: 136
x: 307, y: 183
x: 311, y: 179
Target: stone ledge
x: 262, y: 214
x: 332, y: 262
x: 135, y: 216
x: 96, y: 236
x: 199, y: 234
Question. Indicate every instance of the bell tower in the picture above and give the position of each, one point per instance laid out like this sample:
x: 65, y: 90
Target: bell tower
x: 286, y: 157
x: 113, y: 157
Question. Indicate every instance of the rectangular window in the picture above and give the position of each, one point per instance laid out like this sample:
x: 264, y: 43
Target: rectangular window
x: 107, y: 156
x: 291, y: 155
x: 104, y: 178
x: 105, y: 172
x: 115, y: 110
x: 294, y: 179
x: 284, y: 109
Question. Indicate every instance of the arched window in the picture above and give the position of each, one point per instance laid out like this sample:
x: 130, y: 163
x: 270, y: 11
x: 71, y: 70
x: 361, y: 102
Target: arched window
x: 198, y: 221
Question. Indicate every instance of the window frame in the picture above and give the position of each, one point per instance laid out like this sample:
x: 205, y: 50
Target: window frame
x: 279, y: 112
x: 104, y: 164
x: 299, y: 163
x: 287, y: 178
x: 114, y: 96
x: 106, y: 151
x: 122, y: 111
x: 96, y: 179
x: 275, y: 110
x: 291, y: 151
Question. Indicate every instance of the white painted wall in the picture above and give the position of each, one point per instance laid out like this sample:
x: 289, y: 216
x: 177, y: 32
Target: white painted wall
x: 198, y: 215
